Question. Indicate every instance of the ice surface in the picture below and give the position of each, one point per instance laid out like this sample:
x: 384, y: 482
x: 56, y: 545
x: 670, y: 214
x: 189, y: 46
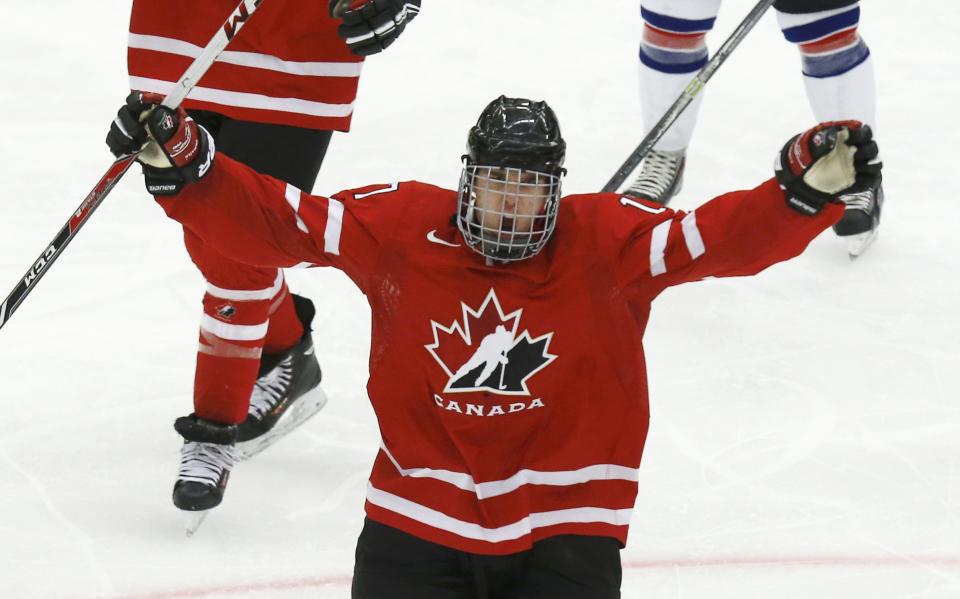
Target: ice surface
x: 805, y: 437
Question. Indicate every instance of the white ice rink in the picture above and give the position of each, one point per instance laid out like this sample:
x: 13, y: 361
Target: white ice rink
x: 805, y: 431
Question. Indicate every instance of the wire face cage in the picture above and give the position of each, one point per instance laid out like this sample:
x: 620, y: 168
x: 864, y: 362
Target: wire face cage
x: 506, y: 213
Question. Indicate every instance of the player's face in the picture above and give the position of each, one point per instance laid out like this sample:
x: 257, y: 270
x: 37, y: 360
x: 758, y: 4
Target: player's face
x: 510, y: 201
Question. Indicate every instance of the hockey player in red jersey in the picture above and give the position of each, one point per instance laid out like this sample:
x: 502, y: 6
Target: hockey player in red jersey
x: 271, y: 101
x: 506, y: 363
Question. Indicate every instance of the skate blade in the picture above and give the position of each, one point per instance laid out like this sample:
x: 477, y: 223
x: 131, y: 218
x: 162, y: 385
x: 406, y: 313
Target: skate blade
x: 194, y: 520
x: 306, y: 407
x: 858, y: 244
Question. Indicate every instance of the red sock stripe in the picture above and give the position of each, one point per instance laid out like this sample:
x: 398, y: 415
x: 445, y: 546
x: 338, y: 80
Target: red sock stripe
x: 837, y: 41
x: 671, y: 40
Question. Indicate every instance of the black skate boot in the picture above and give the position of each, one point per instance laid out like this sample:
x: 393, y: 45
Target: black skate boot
x: 861, y: 219
x: 287, y: 390
x: 206, y: 459
x: 660, y: 178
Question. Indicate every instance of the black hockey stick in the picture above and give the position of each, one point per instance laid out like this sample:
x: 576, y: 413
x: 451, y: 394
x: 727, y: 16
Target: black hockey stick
x: 187, y: 81
x: 692, y: 89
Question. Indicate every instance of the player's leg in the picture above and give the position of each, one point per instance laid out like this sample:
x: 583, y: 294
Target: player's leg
x: 839, y: 79
x: 673, y: 48
x: 240, y: 305
x: 284, y: 393
x: 208, y: 453
x: 392, y: 563
x: 248, y: 311
x: 488, y: 368
x: 291, y: 154
x: 571, y: 567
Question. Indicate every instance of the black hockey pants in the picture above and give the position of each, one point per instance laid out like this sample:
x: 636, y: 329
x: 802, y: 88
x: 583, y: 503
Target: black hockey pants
x: 391, y: 564
x: 287, y: 153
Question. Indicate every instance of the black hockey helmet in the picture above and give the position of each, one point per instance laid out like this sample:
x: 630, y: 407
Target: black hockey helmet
x: 510, y: 186
x: 518, y: 133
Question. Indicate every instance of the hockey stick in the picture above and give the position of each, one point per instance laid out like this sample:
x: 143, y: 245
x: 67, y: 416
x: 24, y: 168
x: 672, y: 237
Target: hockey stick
x: 187, y: 81
x: 692, y: 89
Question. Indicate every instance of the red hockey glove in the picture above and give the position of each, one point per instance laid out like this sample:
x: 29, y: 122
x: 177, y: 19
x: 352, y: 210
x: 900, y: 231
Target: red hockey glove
x: 825, y: 162
x: 174, y: 150
x: 369, y: 26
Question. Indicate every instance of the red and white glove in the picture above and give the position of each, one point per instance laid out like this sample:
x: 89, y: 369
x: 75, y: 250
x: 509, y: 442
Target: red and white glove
x: 826, y: 162
x: 174, y: 150
x: 369, y: 26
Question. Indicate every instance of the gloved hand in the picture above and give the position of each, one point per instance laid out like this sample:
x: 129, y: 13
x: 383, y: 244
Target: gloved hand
x: 825, y: 162
x: 174, y: 150
x: 369, y: 26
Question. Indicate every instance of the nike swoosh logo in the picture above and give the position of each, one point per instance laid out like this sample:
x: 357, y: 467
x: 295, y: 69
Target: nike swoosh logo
x: 432, y: 237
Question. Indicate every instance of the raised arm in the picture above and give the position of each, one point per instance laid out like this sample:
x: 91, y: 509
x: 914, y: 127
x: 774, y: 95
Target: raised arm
x: 744, y: 232
x: 245, y: 215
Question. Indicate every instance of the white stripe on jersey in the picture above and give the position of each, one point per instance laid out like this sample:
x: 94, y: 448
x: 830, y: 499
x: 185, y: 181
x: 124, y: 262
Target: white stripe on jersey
x: 658, y: 243
x: 292, y: 194
x: 233, y: 332
x: 495, y: 488
x: 331, y: 234
x: 245, y: 100
x: 514, y: 530
x: 247, y: 59
x: 387, y: 189
x: 244, y: 295
x: 691, y: 235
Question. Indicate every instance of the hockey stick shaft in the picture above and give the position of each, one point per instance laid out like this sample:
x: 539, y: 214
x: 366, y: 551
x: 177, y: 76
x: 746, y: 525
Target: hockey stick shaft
x: 689, y: 93
x: 191, y: 76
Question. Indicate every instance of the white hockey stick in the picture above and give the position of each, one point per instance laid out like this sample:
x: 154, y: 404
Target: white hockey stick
x: 240, y: 15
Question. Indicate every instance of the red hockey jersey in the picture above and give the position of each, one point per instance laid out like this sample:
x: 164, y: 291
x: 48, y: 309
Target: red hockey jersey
x: 287, y: 66
x: 511, y: 398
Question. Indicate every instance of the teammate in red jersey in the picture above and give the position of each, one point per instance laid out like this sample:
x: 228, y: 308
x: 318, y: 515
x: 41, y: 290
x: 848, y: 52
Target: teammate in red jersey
x: 271, y: 101
x: 506, y: 363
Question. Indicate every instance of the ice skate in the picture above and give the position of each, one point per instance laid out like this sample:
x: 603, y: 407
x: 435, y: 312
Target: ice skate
x: 206, y: 459
x: 287, y: 391
x: 660, y: 178
x: 861, y: 220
